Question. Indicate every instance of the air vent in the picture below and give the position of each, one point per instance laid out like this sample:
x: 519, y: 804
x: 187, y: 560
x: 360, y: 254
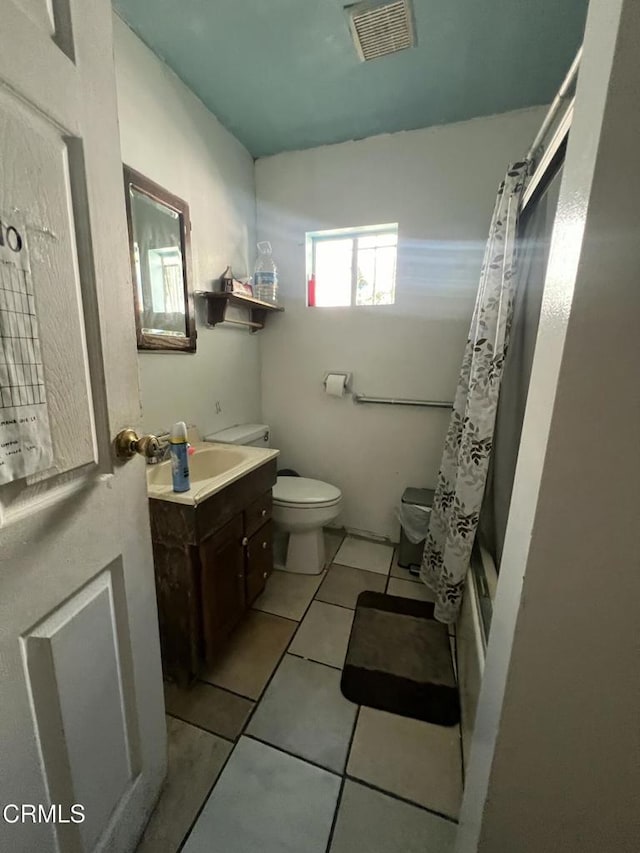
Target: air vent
x: 379, y: 29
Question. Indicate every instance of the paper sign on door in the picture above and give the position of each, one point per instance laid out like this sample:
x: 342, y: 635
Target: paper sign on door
x: 25, y: 434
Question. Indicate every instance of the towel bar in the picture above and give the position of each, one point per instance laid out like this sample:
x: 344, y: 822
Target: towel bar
x: 394, y: 401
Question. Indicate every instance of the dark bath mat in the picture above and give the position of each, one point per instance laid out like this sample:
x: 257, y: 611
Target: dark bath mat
x: 399, y: 660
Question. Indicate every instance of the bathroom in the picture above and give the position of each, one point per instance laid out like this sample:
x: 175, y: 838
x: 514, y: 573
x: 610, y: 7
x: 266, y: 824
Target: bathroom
x: 275, y: 377
x: 233, y: 728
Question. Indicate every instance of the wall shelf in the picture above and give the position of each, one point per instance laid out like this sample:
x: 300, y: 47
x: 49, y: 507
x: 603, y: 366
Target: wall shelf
x: 217, y: 309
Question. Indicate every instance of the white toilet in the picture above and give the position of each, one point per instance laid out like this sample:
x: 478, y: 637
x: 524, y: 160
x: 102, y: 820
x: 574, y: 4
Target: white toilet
x: 301, y: 507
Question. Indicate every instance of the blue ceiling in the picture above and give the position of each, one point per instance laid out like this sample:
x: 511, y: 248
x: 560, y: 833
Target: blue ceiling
x: 284, y: 74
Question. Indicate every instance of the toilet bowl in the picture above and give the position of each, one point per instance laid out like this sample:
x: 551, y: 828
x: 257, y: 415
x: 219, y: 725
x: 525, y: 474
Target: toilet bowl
x: 301, y: 508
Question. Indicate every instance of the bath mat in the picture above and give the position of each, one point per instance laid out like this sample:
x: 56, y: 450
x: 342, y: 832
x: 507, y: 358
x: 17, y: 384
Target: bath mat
x: 399, y: 660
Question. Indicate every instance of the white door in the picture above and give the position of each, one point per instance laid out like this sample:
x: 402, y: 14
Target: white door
x: 81, y: 708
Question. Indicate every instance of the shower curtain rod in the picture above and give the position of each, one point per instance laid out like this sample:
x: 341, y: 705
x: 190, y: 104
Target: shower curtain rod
x: 555, y: 105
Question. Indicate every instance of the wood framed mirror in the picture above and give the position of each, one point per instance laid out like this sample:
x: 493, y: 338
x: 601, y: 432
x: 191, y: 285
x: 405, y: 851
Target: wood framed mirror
x: 160, y: 251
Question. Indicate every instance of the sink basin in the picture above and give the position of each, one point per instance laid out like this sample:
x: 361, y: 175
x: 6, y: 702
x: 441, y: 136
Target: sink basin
x: 203, y: 465
x: 211, y: 468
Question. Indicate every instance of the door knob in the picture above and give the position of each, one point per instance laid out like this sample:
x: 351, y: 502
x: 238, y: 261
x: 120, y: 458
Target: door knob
x: 127, y: 443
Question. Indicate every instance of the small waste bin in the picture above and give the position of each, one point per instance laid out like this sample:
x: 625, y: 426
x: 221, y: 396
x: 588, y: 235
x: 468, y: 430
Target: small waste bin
x: 413, y: 513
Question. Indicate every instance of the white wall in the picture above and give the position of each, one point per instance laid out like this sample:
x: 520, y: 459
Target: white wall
x: 554, y: 762
x: 439, y: 184
x: 168, y: 134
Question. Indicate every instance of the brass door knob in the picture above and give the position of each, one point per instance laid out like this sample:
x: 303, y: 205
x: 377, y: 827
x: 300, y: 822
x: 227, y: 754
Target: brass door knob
x: 127, y: 443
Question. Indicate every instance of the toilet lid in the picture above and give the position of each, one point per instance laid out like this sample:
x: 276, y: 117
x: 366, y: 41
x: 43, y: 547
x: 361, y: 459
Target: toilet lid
x: 300, y: 490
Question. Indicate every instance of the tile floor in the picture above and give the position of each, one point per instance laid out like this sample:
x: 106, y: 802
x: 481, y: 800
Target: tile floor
x: 266, y: 754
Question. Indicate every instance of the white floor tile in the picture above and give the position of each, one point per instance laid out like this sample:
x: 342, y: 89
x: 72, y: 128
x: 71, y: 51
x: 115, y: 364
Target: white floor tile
x: 323, y: 634
x: 304, y: 712
x: 343, y: 585
x: 363, y: 554
x: 287, y: 594
x: 373, y: 822
x: 195, y: 759
x: 412, y: 759
x: 268, y: 801
x: 409, y: 589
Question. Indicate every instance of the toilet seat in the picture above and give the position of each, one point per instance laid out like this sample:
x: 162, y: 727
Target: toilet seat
x: 297, y: 492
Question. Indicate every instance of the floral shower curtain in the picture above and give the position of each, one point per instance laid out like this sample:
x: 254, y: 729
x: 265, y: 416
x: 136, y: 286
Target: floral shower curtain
x: 465, y: 459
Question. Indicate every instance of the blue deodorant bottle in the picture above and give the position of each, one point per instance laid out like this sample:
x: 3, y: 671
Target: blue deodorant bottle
x: 179, y: 457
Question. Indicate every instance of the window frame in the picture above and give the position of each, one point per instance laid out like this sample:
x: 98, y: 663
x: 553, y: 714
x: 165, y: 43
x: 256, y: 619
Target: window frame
x: 353, y: 234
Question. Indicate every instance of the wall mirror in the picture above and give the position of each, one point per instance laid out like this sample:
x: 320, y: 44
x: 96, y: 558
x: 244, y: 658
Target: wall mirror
x: 160, y: 250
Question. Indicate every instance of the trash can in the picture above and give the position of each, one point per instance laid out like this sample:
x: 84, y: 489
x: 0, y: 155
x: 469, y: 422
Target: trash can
x: 413, y: 513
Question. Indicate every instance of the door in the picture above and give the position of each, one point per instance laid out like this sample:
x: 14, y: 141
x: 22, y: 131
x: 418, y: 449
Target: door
x: 81, y: 708
x: 222, y: 584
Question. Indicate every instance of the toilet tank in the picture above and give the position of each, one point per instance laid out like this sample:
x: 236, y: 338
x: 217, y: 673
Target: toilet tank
x: 253, y: 435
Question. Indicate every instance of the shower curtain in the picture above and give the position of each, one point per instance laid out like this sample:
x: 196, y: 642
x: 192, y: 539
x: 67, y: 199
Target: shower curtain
x: 465, y: 459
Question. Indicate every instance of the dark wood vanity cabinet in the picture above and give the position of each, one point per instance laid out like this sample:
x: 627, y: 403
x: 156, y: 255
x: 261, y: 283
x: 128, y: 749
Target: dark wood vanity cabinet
x: 222, y: 583
x: 211, y: 563
x: 259, y: 561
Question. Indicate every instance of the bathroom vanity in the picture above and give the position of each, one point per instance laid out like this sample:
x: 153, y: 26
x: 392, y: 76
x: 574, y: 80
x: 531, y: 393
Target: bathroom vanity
x: 212, y: 550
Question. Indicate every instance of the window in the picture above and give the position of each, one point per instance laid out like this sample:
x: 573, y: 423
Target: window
x: 353, y: 266
x: 165, y: 273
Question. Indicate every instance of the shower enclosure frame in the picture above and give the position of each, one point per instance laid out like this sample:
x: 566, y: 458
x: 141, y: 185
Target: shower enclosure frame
x: 482, y: 579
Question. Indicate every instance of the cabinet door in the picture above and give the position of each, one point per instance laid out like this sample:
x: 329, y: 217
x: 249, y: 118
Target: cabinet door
x: 259, y: 561
x: 222, y: 584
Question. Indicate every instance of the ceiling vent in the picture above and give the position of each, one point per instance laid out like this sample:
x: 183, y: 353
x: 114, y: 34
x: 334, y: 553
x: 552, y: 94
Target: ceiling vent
x: 381, y: 28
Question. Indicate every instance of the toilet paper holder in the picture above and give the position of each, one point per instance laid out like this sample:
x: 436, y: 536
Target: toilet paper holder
x: 347, y: 379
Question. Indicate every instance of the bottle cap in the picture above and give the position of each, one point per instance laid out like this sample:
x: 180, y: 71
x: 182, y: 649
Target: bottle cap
x: 178, y: 434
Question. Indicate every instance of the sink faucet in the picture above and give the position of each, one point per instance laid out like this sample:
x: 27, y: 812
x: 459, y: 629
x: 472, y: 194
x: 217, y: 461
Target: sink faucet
x: 163, y: 452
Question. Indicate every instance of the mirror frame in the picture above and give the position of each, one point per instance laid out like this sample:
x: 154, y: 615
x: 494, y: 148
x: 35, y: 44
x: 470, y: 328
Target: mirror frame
x: 146, y: 341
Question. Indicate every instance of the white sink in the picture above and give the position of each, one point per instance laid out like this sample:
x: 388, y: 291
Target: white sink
x: 203, y: 464
x: 211, y: 468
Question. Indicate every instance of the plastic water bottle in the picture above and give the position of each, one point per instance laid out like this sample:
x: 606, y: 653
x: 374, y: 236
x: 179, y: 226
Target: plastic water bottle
x: 265, y: 277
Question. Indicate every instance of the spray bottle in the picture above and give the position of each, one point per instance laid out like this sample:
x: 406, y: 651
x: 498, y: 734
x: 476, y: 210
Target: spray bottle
x: 179, y: 457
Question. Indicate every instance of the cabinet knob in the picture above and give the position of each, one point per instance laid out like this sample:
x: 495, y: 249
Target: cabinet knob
x: 245, y: 541
x: 263, y: 513
x: 264, y: 545
x: 265, y: 575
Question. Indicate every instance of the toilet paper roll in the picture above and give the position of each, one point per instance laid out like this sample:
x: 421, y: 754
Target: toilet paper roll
x: 335, y: 384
